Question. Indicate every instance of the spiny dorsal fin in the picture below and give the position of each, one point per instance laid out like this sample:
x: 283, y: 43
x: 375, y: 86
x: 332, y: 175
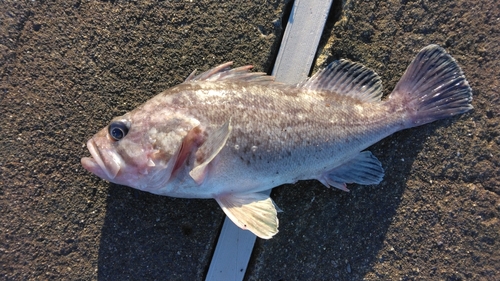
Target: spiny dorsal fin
x: 347, y: 78
x: 224, y: 72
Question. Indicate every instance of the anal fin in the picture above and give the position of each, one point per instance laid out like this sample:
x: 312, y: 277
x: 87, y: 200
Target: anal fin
x: 255, y: 212
x: 363, y: 169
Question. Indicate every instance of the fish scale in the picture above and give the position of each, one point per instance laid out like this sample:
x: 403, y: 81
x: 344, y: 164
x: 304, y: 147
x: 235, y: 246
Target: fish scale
x: 228, y: 134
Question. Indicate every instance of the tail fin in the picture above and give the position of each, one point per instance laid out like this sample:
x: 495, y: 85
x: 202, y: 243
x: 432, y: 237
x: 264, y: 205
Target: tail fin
x: 433, y: 87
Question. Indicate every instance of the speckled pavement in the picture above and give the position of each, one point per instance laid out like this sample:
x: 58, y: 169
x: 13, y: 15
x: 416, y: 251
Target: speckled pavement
x: 69, y: 67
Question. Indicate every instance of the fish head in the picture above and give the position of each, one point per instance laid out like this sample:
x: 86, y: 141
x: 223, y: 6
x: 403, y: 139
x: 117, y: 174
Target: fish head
x: 139, y: 149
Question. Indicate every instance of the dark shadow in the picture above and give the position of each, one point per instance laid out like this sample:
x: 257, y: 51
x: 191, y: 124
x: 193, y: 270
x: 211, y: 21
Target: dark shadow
x: 328, y: 234
x: 151, y: 237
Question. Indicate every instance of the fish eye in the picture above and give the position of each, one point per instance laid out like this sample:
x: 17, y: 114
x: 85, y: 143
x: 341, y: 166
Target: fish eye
x: 118, y: 130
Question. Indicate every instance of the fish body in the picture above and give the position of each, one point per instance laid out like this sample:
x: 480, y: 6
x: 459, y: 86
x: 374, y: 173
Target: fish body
x: 228, y: 133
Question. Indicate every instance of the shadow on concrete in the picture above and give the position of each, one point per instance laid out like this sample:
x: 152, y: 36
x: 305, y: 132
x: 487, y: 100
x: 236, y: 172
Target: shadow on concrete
x: 150, y: 237
x: 328, y: 234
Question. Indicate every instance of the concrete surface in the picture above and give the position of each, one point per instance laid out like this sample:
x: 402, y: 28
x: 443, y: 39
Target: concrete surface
x: 68, y: 67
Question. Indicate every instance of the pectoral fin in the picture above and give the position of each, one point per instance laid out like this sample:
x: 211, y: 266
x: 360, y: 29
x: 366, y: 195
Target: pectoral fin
x: 190, y: 142
x: 255, y: 212
x: 208, y: 150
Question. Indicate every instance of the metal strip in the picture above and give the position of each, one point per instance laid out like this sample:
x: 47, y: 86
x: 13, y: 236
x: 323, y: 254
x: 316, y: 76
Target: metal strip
x: 298, y: 48
x: 300, y: 42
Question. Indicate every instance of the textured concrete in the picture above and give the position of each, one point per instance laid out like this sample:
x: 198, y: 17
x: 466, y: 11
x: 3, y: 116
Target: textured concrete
x: 69, y: 67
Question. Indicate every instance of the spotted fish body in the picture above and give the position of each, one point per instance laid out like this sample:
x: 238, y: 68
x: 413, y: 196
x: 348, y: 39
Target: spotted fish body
x: 228, y: 133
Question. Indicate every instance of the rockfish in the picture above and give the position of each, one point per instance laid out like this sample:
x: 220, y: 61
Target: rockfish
x: 229, y: 134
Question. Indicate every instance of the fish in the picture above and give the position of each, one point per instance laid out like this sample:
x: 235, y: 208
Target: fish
x: 229, y: 133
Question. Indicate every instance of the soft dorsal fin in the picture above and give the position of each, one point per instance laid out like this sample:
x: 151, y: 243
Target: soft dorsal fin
x: 347, y: 78
x: 224, y: 72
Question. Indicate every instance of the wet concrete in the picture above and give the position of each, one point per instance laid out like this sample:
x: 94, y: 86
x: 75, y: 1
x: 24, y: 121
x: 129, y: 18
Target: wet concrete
x: 68, y: 68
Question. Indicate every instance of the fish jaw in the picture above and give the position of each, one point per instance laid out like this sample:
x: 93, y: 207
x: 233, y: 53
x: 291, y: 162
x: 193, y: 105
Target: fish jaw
x: 104, y: 164
x: 109, y: 162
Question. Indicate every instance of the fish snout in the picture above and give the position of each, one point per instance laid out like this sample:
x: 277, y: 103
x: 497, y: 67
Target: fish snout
x: 104, y: 162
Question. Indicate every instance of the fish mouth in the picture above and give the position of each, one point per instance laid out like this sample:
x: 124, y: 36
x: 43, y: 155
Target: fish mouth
x: 104, y: 164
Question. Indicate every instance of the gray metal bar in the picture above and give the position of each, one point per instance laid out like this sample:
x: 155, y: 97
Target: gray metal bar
x: 297, y: 51
x: 300, y: 41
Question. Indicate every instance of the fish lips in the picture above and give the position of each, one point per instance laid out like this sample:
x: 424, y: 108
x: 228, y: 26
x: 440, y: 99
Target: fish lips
x: 103, y: 163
